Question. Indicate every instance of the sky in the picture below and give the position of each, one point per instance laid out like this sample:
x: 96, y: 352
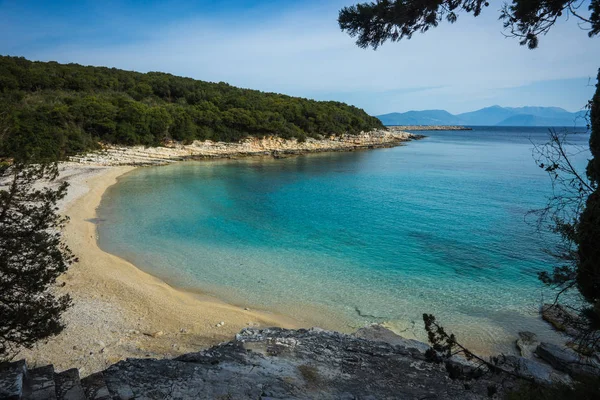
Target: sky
x: 296, y: 47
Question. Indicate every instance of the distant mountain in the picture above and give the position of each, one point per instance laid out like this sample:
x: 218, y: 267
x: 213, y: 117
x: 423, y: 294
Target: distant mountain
x: 490, y: 116
x: 486, y: 116
x: 429, y: 117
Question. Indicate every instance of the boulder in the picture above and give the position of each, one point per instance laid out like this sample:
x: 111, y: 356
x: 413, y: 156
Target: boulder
x: 566, y: 360
x: 560, y: 318
x: 530, y: 369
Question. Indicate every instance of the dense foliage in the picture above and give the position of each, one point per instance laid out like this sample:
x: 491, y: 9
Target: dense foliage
x: 32, y: 256
x: 374, y: 23
x: 51, y: 110
x: 588, y: 228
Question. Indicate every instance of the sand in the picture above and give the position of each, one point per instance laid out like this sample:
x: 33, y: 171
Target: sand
x: 120, y: 311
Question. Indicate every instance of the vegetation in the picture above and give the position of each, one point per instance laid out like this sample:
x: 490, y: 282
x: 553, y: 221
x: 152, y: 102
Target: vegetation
x: 375, y: 23
x: 52, y: 110
x: 518, y: 386
x: 572, y: 213
x: 32, y: 256
x: 587, y: 228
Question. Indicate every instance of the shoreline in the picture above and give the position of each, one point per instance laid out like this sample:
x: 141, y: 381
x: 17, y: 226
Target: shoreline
x: 276, y: 147
x: 430, y: 127
x: 120, y: 311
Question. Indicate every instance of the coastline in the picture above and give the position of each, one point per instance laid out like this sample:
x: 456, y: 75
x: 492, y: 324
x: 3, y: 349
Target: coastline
x: 121, y: 312
x: 118, y: 310
x: 275, y: 147
x: 431, y: 127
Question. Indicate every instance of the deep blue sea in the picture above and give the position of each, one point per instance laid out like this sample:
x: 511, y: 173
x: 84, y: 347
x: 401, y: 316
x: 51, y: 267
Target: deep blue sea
x: 345, y: 239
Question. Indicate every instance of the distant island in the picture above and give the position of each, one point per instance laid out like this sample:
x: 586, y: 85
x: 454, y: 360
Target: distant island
x: 489, y: 116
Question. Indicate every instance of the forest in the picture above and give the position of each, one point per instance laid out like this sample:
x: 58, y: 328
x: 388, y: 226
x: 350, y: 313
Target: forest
x: 49, y: 111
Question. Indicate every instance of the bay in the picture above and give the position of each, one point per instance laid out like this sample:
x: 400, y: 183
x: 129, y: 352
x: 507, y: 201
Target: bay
x: 341, y: 240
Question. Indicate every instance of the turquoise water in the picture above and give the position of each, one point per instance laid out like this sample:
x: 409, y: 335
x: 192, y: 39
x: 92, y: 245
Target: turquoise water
x: 346, y: 239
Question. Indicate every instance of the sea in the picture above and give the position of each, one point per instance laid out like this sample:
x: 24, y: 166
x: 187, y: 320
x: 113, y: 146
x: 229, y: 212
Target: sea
x: 441, y: 226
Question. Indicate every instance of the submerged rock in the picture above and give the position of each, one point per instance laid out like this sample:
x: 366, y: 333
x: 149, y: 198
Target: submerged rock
x: 527, y: 343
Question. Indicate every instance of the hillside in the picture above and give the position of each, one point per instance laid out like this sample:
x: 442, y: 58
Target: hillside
x: 429, y: 117
x: 490, y: 116
x: 486, y: 116
x: 54, y: 110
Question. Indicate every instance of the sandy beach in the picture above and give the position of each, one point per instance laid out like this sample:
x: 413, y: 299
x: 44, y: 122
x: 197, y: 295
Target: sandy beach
x: 120, y: 311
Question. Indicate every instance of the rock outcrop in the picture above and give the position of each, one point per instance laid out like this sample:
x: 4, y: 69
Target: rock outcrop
x: 432, y: 127
x: 567, y: 360
x: 271, y: 363
x: 561, y: 319
x: 268, y: 146
x: 277, y: 363
x: 287, y: 364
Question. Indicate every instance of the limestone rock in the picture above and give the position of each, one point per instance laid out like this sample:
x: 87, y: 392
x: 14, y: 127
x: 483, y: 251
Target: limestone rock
x: 539, y: 372
x: 566, y: 360
x: 380, y: 333
x: 40, y: 382
x: 68, y: 385
x: 560, y: 318
x: 292, y: 364
x: 268, y: 146
x: 95, y: 388
x: 12, y: 376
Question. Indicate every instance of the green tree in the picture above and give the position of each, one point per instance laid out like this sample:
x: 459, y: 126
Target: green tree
x: 159, y: 121
x: 588, y: 226
x: 32, y: 256
x: 376, y: 22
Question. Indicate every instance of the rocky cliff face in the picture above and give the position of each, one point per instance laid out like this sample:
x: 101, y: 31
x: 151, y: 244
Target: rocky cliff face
x: 267, y: 146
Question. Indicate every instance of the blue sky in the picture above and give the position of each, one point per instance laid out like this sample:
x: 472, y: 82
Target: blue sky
x: 295, y: 47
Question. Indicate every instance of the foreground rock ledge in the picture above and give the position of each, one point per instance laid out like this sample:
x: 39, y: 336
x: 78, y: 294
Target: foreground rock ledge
x: 276, y: 363
x: 289, y: 364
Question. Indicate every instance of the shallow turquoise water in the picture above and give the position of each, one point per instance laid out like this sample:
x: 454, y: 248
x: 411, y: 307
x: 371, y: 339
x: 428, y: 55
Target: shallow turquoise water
x: 345, y: 239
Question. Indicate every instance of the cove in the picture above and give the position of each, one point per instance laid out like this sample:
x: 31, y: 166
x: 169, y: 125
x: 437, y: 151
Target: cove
x: 346, y: 239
